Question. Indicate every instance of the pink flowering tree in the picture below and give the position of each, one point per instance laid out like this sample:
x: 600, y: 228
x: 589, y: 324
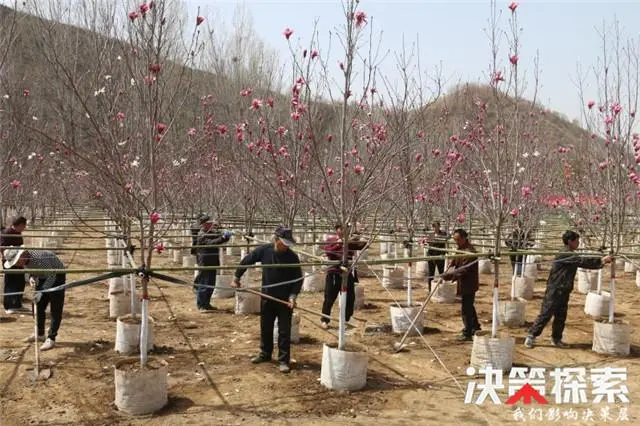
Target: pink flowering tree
x: 406, y: 114
x: 613, y: 139
x: 495, y: 155
x: 117, y: 115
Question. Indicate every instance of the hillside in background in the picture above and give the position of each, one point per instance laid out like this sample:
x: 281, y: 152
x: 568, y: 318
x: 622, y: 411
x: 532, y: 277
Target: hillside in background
x: 27, y: 68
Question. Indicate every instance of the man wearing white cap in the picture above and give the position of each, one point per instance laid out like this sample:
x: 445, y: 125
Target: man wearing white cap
x: 42, y: 259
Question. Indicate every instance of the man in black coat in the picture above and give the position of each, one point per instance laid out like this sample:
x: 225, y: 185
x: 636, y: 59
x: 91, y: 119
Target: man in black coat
x: 283, y: 283
x: 559, y: 287
x: 205, y: 282
x: 13, y: 283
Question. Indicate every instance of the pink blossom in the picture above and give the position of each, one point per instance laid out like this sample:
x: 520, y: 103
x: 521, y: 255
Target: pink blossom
x: 159, y: 248
x: 608, y: 120
x: 358, y: 168
x: 144, y: 8
x: 513, y: 6
x: 98, y: 194
x: 270, y: 102
x: 419, y: 158
x: 354, y: 151
x: 120, y: 116
x: 154, y: 217
x: 435, y: 152
x: 314, y: 54
x: 497, y: 77
x: 133, y: 15
x: 590, y: 104
x: 514, y: 212
x: 513, y: 59
x: 295, y: 116
x: 461, y: 217
x: 615, y: 109
x: 155, y: 68
x: 256, y: 104
x: 329, y: 137
x: 282, y: 131
x: 329, y: 171
x: 15, y: 184
x: 221, y: 129
x: 603, y: 165
x: 420, y: 134
x: 127, y: 187
x: 161, y: 127
x: 288, y: 32
x: 246, y: 92
x: 192, y: 131
x: 361, y: 18
x: 199, y: 20
x: 25, y: 92
x: 526, y: 191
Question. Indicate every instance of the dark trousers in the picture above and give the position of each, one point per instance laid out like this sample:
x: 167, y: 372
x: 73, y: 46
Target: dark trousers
x: 433, y: 264
x: 203, y: 294
x: 13, y: 283
x: 516, y: 264
x: 269, y: 312
x: 332, y: 285
x: 56, y: 299
x: 469, y: 315
x: 555, y: 304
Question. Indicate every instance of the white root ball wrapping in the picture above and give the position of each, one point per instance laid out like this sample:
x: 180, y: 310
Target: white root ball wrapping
x: 445, y: 292
x: 128, y: 335
x: 524, y: 288
x: 512, y: 313
x: 401, y: 318
x: 496, y: 352
x: 597, y: 305
x: 141, y: 391
x: 611, y: 338
x: 392, y: 276
x: 343, y: 370
x: 313, y: 283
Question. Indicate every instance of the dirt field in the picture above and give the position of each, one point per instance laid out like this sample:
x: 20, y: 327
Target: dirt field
x: 212, y: 381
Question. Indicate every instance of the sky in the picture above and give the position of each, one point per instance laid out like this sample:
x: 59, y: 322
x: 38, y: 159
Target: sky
x: 451, y: 34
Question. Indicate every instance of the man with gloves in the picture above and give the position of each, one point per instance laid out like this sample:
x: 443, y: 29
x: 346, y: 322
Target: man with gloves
x: 205, y: 282
x: 282, y: 283
x: 559, y: 287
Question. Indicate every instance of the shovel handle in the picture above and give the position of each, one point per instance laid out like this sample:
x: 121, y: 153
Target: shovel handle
x: 275, y: 299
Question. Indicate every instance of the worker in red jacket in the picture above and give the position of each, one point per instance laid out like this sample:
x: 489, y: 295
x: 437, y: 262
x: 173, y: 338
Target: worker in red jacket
x: 333, y: 282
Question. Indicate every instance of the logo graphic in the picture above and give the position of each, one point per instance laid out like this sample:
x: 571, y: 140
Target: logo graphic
x: 526, y: 394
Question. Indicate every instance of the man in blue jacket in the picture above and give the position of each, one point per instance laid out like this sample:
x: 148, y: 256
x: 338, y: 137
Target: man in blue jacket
x: 283, y: 283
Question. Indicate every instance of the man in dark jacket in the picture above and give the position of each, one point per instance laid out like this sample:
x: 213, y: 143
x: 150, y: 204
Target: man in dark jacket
x: 437, y: 241
x: 13, y: 283
x: 559, y: 287
x: 465, y: 272
x: 209, y: 235
x: 283, y: 283
x: 333, y: 283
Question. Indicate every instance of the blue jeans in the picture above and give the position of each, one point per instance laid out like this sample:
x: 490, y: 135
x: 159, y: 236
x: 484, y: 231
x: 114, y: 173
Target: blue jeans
x: 203, y: 295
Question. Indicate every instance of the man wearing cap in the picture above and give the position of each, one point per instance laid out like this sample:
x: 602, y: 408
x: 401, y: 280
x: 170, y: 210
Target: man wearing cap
x: 42, y: 259
x: 209, y: 235
x: 283, y: 283
x: 13, y: 283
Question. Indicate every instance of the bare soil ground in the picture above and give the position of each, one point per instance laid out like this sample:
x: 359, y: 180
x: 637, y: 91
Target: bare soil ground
x: 212, y: 381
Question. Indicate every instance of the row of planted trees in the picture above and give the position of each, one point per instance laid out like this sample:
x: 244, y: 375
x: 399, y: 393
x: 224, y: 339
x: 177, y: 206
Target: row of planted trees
x: 141, y: 130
